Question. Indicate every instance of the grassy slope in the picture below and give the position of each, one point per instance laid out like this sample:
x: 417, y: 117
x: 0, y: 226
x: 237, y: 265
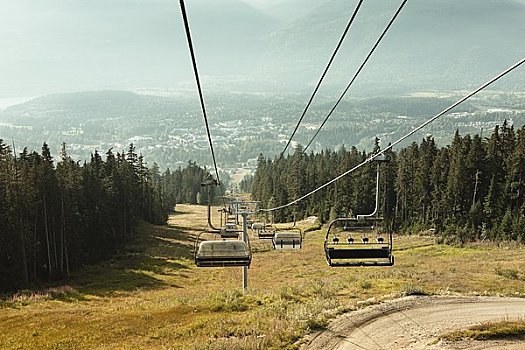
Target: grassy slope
x: 153, y: 297
x: 489, y: 331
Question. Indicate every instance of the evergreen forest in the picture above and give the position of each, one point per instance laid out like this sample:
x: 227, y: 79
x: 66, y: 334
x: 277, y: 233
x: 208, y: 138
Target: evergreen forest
x: 472, y: 189
x: 57, y: 217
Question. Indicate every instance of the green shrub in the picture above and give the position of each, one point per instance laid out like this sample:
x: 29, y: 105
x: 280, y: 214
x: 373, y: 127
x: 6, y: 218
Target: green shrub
x: 229, y: 301
x: 508, y: 273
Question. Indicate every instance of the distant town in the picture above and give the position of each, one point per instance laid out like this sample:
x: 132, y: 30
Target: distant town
x: 170, y: 130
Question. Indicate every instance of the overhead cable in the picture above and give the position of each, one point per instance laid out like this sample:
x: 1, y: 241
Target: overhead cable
x: 357, y: 72
x: 195, y: 70
x: 390, y: 146
x: 351, y: 20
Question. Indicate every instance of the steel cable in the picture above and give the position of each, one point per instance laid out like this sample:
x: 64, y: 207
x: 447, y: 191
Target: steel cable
x: 390, y: 146
x: 196, y: 72
x: 357, y: 73
x: 201, y: 97
x: 351, y: 20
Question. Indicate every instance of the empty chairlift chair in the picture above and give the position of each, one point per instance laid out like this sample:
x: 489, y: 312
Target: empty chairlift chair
x: 229, y: 231
x: 291, y: 239
x: 266, y: 233
x: 258, y: 226
x: 354, y: 251
x: 222, y: 253
x: 263, y: 230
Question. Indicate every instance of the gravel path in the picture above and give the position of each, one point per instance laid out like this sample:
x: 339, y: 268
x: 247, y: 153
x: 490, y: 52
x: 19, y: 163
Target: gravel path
x: 416, y: 322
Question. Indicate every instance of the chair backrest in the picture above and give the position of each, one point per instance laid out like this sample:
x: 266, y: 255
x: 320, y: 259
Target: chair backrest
x: 232, y: 248
x: 287, y: 240
x: 266, y: 234
x: 288, y: 236
x: 258, y: 226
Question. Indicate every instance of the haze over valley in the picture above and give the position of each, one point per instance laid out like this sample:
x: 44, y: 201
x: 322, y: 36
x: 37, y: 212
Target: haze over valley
x: 259, y: 61
x: 170, y: 131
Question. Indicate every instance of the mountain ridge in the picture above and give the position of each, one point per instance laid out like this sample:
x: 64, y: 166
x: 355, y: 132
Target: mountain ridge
x: 77, y: 45
x: 417, y: 50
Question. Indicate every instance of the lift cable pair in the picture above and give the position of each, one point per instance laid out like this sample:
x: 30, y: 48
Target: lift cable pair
x: 356, y: 73
x: 201, y: 97
x: 351, y: 20
x: 390, y: 146
x: 351, y: 82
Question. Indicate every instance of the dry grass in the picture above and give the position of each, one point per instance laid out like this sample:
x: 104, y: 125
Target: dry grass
x: 489, y: 331
x: 153, y: 297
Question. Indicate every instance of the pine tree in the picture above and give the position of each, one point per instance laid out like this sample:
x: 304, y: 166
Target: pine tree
x: 516, y: 172
x: 422, y: 181
x: 457, y: 192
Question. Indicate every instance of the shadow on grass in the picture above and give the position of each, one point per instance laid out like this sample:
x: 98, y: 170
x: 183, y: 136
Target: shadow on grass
x: 187, y: 228
x: 111, y: 281
x: 24, y: 297
x: 156, y: 255
x: 154, y: 259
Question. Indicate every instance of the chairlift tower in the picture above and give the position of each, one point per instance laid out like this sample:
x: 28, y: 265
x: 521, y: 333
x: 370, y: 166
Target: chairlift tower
x: 248, y: 208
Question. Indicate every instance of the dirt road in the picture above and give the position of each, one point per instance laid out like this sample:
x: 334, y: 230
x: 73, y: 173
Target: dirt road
x: 416, y: 323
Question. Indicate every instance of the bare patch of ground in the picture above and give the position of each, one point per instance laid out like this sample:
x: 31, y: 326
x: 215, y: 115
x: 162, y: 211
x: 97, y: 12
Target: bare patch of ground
x: 417, y: 322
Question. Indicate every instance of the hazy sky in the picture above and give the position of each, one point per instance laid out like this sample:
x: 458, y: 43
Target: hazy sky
x: 54, y: 45
x: 51, y: 46
x: 264, y: 3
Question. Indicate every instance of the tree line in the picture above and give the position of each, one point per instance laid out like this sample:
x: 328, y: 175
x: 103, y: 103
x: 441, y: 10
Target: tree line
x: 470, y: 189
x: 55, y: 218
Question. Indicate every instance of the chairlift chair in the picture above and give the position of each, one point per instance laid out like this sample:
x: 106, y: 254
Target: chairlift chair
x: 222, y: 253
x: 266, y: 233
x: 357, y: 252
x: 291, y: 239
x: 226, y: 232
x: 363, y: 252
x: 229, y: 231
x: 263, y: 230
x: 258, y: 226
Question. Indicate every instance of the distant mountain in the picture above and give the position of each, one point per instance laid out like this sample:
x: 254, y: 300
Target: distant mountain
x: 78, y: 108
x: 289, y: 10
x: 279, y: 45
x: 433, y: 44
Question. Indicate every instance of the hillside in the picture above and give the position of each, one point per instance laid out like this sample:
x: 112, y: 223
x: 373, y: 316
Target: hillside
x: 100, y: 106
x: 153, y: 297
x: 278, y: 46
x: 169, y: 130
x: 287, y: 10
x: 432, y: 45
